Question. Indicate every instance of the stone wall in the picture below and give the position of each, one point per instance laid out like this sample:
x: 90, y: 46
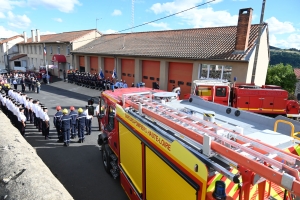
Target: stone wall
x: 23, y: 175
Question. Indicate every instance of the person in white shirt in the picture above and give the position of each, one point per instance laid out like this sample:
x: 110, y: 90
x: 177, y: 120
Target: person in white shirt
x: 46, y: 123
x: 41, y: 116
x: 88, y: 123
x: 21, y: 121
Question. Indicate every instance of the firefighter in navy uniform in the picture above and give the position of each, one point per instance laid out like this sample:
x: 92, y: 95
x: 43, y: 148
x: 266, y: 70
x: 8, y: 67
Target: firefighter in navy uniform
x: 65, y: 124
x: 81, y: 123
x: 56, y: 122
x: 73, y: 114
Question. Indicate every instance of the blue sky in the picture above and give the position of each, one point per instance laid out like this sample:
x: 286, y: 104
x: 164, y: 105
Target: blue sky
x: 55, y: 16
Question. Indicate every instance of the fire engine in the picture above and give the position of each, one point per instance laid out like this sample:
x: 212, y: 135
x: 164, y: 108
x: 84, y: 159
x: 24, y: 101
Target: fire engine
x: 268, y: 99
x: 160, y: 147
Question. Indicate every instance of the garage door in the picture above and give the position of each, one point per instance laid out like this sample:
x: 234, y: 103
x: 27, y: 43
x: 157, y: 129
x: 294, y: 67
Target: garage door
x: 109, y: 65
x: 94, y: 65
x: 180, y: 73
x: 81, y: 64
x: 150, y: 72
x: 127, y: 69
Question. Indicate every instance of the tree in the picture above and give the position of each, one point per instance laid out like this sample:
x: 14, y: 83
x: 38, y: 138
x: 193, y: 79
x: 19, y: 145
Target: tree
x: 282, y: 75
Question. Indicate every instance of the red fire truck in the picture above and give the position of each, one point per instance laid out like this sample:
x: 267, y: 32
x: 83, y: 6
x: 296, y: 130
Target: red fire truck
x: 164, y: 148
x: 268, y: 99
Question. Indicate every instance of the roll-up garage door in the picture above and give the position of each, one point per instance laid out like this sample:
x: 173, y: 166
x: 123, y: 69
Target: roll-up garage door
x: 127, y: 69
x: 180, y: 73
x: 151, y: 72
x: 81, y: 64
x: 109, y: 65
x: 94, y: 65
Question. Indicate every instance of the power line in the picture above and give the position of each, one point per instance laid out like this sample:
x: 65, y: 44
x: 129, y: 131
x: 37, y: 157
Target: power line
x: 148, y: 23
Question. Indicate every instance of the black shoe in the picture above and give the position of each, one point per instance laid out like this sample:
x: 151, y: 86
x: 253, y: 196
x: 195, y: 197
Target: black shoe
x: 65, y: 144
x: 68, y: 144
x: 47, y: 138
x: 72, y: 137
x: 59, y: 141
x: 79, y: 141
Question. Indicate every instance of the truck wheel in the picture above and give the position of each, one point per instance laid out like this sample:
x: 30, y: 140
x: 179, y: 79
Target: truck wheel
x: 106, y: 158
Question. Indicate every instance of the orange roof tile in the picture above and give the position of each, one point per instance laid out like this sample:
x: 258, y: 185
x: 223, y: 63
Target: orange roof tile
x: 61, y: 37
x: 10, y: 39
x: 297, y: 72
x: 217, y: 43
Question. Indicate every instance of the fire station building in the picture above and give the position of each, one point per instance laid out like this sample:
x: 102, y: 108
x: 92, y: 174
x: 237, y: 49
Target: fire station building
x: 177, y: 57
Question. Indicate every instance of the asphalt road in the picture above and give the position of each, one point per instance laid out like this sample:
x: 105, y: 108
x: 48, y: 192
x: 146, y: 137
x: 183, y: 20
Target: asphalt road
x: 78, y: 167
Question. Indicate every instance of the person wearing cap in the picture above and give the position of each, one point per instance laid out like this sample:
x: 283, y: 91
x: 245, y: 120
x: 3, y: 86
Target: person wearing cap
x: 15, y: 83
x: 125, y: 84
x: 21, y: 121
x: 73, y: 114
x: 56, y: 122
x: 65, y: 124
x: 33, y: 108
x: 121, y: 84
x: 41, y: 116
x: 46, y: 123
x: 88, y: 123
x: 117, y: 84
x: 81, y: 123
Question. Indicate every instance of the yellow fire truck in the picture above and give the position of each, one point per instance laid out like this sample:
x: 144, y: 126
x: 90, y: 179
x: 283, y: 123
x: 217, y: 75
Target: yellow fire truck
x: 164, y: 148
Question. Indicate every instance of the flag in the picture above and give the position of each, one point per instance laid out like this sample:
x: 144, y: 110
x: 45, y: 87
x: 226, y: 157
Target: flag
x: 114, y: 75
x: 101, y: 74
x: 45, y: 51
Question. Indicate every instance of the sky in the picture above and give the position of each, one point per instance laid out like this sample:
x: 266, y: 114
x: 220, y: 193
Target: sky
x: 111, y: 16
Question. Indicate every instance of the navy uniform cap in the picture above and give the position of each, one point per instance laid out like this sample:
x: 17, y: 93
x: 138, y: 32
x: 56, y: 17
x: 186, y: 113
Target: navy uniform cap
x: 45, y: 108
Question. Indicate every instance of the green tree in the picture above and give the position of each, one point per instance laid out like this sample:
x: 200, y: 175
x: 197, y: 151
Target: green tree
x: 282, y: 75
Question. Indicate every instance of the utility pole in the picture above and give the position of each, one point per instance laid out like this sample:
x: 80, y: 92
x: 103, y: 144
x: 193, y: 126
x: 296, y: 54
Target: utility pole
x: 258, y: 41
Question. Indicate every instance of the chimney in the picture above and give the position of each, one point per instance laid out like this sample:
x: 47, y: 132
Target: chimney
x: 243, y: 30
x: 38, y: 37
x: 32, y: 36
x: 25, y: 37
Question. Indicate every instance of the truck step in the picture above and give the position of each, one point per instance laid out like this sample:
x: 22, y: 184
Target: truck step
x: 113, y: 157
x: 114, y: 173
x: 114, y: 165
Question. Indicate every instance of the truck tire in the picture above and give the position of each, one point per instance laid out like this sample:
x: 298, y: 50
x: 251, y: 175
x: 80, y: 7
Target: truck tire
x: 106, y: 157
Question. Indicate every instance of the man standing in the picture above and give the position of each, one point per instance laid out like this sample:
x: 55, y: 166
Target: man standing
x: 23, y: 84
x: 46, y: 124
x: 125, y: 84
x: 15, y: 83
x: 22, y: 122
x: 65, y: 124
x: 56, y: 122
x: 81, y: 123
x: 73, y: 114
x: 65, y: 75
x: 88, y: 121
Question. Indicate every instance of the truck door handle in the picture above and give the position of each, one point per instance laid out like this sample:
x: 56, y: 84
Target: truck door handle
x: 271, y: 104
x: 246, y: 103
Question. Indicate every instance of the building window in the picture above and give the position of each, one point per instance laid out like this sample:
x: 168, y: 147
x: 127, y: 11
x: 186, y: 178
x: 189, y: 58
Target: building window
x: 145, y: 77
x: 35, y: 50
x: 32, y: 62
x: 129, y: 75
x: 68, y: 50
x: 157, y: 79
x: 180, y: 83
x: 171, y: 81
x: 106, y: 71
x: 40, y: 49
x: 17, y: 63
x: 152, y: 78
x: 31, y: 49
x: 123, y: 74
x: 221, y: 92
x: 58, y: 50
x: 51, y: 51
x: 189, y: 84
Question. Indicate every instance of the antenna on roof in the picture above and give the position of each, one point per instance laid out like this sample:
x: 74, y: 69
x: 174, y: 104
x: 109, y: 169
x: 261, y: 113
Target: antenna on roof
x: 132, y: 15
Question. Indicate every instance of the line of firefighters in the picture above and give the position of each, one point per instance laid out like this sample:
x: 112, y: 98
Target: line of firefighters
x: 21, y: 110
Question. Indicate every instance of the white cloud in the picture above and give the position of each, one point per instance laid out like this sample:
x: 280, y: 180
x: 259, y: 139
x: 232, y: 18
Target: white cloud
x: 18, y: 21
x: 292, y: 41
x: 161, y: 25
x: 57, y: 19
x: 2, y: 15
x: 109, y: 31
x: 198, y: 17
x: 116, y: 13
x: 66, y: 6
x: 47, y: 32
x: 278, y: 27
x: 5, y: 33
x: 7, y: 5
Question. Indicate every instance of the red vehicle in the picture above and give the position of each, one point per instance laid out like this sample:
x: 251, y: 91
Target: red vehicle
x: 268, y: 99
x: 161, y: 148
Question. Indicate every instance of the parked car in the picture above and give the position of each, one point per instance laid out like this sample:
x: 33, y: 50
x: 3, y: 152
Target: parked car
x: 3, y: 71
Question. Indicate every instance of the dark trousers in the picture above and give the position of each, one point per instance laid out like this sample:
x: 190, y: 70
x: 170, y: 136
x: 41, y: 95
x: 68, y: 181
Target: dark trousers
x: 30, y: 116
x: 66, y: 133
x: 88, y: 126
x: 29, y: 87
x: 40, y: 124
x: 21, y: 128
x: 38, y: 89
x: 45, y: 129
x: 15, y: 86
x: 81, y: 131
x: 23, y: 88
x: 59, y: 133
x: 73, y: 129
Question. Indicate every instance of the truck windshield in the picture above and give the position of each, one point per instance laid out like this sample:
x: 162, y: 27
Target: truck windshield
x: 203, y: 91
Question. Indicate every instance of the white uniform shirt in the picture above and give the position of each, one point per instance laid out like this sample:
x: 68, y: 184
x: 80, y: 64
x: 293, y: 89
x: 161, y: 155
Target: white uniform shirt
x: 46, y: 117
x: 37, y: 111
x: 97, y: 109
x: 21, y: 117
x: 86, y: 112
x: 41, y: 113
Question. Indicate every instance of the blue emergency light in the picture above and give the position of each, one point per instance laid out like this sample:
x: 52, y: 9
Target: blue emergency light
x: 220, y: 190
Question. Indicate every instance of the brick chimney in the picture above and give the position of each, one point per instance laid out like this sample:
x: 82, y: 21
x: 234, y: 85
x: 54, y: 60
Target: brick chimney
x: 32, y: 36
x: 243, y: 30
x: 38, y: 37
x: 25, y: 37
